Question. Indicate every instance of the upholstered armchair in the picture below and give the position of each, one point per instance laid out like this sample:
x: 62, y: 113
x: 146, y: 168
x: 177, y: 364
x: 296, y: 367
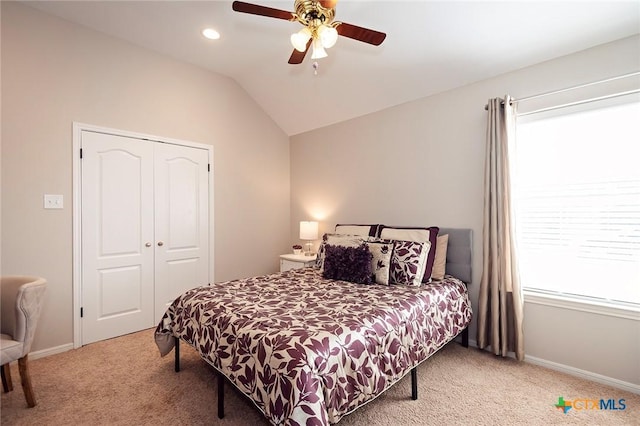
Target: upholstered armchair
x: 22, y: 299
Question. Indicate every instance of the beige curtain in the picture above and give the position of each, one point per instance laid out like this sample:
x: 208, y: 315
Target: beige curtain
x: 500, y: 302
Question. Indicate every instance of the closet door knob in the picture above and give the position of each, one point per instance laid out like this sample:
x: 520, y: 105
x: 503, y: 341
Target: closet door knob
x: 147, y: 245
x: 160, y: 243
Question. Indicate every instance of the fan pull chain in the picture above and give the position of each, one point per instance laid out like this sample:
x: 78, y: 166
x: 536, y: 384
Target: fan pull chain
x: 315, y: 68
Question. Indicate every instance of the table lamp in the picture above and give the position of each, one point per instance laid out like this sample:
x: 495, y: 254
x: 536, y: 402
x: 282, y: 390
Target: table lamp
x: 308, y: 232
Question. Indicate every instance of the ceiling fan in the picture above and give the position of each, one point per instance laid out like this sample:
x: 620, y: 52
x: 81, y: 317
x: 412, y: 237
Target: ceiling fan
x: 320, y: 31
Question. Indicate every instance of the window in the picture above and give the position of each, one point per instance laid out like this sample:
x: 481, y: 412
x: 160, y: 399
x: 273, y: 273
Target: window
x: 576, y: 192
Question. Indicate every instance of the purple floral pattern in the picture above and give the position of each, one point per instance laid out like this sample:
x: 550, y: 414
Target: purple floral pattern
x: 408, y: 262
x: 381, y: 261
x: 308, y: 350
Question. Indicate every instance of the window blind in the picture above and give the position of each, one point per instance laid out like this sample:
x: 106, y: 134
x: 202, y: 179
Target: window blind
x: 576, y: 199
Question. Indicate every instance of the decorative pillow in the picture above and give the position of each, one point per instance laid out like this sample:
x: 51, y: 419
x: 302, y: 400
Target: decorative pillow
x: 418, y: 235
x: 348, y: 263
x: 408, y: 262
x: 320, y: 254
x: 440, y: 262
x: 346, y: 240
x: 381, y: 251
x: 362, y: 230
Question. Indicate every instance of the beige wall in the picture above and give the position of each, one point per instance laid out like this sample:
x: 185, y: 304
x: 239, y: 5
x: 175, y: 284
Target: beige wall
x: 421, y: 163
x: 55, y: 73
x: 418, y: 163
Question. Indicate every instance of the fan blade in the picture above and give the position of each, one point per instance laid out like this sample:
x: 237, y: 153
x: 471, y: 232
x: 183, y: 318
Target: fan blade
x: 361, y: 34
x: 297, y: 57
x: 328, y: 4
x: 254, y: 9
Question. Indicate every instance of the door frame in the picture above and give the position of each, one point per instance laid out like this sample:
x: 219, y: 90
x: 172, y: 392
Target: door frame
x: 78, y: 128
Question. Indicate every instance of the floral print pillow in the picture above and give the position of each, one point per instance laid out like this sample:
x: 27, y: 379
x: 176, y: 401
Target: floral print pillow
x: 381, y: 260
x: 408, y: 262
x: 415, y: 234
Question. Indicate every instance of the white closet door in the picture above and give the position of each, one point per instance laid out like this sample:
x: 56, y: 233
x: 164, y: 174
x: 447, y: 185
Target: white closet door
x: 145, y: 230
x: 182, y: 222
x: 117, y: 236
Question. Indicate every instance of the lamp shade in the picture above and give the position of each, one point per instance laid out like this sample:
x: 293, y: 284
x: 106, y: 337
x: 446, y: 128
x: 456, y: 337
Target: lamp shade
x: 318, y: 50
x: 299, y: 40
x: 308, y: 230
x: 328, y: 36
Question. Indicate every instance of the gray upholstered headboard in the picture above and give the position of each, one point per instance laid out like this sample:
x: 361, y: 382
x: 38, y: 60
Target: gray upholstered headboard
x: 459, y: 252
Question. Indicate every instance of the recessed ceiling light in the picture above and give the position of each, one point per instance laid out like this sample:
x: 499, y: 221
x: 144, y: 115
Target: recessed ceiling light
x: 211, y: 34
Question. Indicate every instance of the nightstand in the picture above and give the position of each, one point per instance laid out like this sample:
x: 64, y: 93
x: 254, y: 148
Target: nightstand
x: 295, y: 261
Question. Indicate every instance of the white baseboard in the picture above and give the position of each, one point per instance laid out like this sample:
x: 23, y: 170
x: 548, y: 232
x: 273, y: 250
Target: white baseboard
x: 572, y: 371
x: 594, y: 377
x: 50, y: 351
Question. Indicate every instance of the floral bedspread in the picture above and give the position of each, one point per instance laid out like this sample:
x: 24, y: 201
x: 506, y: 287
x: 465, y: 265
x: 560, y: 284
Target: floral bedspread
x: 308, y: 350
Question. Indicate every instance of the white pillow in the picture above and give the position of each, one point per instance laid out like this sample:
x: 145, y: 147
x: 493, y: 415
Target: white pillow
x: 416, y: 235
x: 362, y: 230
x: 346, y: 240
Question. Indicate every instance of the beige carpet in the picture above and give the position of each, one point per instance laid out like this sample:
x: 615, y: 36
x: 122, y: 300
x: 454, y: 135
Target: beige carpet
x: 124, y: 381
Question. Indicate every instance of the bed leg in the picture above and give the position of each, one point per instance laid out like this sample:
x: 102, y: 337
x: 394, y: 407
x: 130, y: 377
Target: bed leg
x: 414, y: 383
x: 176, y: 349
x: 465, y: 337
x: 220, y: 396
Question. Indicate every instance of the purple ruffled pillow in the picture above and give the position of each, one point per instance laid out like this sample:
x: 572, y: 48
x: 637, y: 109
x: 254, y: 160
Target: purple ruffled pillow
x: 348, y: 263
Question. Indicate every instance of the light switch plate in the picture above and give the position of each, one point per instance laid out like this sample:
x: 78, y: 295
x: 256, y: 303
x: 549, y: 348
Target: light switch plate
x: 53, y: 201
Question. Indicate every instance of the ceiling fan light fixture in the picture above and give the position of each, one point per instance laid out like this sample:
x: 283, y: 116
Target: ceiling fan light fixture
x: 318, y: 49
x: 328, y: 35
x: 319, y: 26
x: 299, y: 40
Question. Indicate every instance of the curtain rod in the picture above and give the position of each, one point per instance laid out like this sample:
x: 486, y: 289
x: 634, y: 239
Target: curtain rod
x: 580, y: 86
x: 599, y: 98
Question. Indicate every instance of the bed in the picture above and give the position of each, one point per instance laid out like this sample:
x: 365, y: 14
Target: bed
x: 309, y: 350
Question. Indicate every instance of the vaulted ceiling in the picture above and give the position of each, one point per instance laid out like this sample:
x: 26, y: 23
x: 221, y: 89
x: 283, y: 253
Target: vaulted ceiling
x: 431, y: 46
